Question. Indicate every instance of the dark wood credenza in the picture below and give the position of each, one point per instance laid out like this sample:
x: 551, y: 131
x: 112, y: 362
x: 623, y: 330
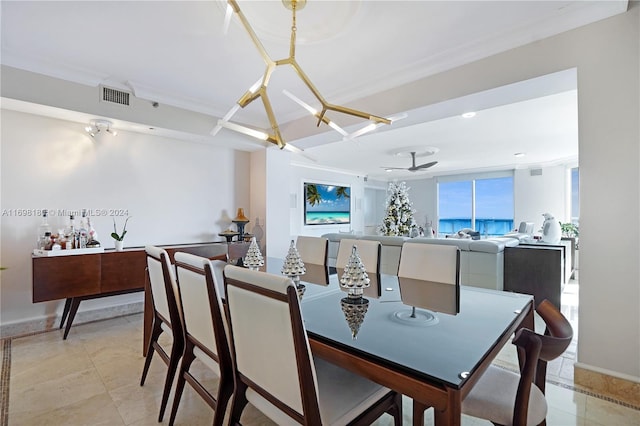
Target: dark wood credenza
x: 540, y: 270
x: 90, y: 276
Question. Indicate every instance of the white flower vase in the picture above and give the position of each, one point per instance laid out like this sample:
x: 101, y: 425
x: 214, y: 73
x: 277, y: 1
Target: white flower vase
x: 119, y: 245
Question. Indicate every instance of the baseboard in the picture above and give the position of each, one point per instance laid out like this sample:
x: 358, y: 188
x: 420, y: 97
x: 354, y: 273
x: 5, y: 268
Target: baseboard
x: 607, y: 383
x: 52, y: 322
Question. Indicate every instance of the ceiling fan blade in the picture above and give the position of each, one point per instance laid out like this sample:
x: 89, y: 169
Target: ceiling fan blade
x: 426, y: 165
x: 394, y: 168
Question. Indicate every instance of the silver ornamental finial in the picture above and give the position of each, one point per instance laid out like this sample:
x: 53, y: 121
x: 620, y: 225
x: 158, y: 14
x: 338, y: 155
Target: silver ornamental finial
x: 355, y: 277
x: 253, y: 259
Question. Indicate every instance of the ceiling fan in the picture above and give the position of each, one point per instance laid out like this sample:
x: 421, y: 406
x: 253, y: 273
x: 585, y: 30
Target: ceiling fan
x: 413, y: 167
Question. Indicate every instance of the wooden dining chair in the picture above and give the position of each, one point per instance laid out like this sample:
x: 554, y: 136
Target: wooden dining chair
x: 507, y: 398
x: 204, y: 332
x: 312, y: 250
x: 274, y: 368
x: 166, y: 317
x: 429, y: 277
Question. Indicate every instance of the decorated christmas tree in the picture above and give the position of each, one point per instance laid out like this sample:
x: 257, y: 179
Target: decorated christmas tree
x: 398, y: 219
x: 253, y: 259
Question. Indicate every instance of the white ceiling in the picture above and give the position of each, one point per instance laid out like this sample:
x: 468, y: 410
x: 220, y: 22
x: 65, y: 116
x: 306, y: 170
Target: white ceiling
x: 176, y: 53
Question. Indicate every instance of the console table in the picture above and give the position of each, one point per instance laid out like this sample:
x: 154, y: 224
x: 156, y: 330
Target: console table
x: 539, y: 269
x: 90, y: 276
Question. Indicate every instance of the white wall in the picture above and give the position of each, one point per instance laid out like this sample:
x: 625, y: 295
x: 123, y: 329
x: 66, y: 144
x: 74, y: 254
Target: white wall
x: 301, y: 174
x: 278, y: 177
x: 539, y: 194
x: 423, y: 194
x: 175, y: 191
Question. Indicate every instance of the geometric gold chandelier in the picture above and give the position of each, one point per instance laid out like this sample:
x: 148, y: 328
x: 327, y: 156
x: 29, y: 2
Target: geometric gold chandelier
x: 259, y: 90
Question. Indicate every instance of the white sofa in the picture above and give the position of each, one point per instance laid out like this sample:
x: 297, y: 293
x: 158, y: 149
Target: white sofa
x: 481, y: 261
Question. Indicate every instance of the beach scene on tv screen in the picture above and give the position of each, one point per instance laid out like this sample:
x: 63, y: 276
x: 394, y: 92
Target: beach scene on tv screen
x: 327, y: 204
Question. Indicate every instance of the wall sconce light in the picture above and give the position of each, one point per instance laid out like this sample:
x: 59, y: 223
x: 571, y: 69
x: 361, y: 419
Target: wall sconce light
x: 99, y: 126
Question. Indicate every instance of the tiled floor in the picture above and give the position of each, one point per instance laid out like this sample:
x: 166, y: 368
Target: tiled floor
x: 93, y: 379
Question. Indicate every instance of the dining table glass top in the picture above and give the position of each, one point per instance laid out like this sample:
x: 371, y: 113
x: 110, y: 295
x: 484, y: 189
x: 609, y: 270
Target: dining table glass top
x: 435, y: 346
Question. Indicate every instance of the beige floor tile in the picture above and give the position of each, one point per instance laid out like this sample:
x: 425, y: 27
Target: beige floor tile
x: 556, y: 417
x: 54, y: 394
x: 41, y: 362
x: 605, y: 413
x: 566, y: 400
x: 98, y: 410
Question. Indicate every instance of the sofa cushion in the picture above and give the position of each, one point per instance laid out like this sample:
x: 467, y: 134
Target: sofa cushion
x: 492, y: 245
x: 461, y: 243
x: 386, y: 240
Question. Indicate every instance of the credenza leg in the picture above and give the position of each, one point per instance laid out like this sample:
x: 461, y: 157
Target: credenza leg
x: 75, y: 303
x: 65, y: 311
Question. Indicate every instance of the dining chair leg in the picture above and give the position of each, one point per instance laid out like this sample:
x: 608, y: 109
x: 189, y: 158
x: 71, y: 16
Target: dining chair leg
x: 397, y: 410
x: 157, y: 330
x: 238, y: 403
x: 174, y: 359
x: 187, y: 360
x: 224, y: 395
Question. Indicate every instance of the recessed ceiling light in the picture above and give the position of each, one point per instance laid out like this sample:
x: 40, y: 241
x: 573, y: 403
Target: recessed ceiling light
x: 468, y: 114
x: 388, y: 170
x: 519, y: 154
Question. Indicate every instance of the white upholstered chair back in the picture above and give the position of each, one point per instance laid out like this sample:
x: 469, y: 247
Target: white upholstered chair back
x: 368, y: 250
x: 429, y: 262
x: 196, y: 298
x: 264, y: 333
x: 312, y: 250
x: 429, y: 276
x: 155, y: 258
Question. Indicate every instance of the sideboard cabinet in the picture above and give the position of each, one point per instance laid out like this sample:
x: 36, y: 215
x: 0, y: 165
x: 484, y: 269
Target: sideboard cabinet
x: 90, y: 276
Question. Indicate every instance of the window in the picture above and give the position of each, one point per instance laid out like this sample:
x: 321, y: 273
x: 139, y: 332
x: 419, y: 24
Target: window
x: 575, y: 196
x: 484, y: 204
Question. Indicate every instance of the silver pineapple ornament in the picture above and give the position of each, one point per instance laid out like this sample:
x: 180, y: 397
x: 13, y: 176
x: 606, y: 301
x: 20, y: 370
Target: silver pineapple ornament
x: 294, y: 267
x: 354, y: 278
x: 354, y: 311
x: 253, y: 259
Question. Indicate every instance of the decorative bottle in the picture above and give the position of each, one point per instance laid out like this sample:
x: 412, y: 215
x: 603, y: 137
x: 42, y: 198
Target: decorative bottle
x: 70, y: 233
x: 43, y: 228
x: 83, y: 231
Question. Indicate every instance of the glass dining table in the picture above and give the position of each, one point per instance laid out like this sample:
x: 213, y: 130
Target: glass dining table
x: 433, y: 357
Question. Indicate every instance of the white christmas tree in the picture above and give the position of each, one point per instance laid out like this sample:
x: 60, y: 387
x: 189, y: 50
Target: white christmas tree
x: 253, y: 259
x: 398, y: 219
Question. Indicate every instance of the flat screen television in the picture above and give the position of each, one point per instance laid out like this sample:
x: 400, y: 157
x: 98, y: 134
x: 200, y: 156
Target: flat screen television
x: 326, y: 204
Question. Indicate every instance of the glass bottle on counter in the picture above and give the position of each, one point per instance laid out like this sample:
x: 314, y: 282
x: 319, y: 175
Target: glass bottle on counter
x: 93, y: 235
x: 70, y: 233
x: 43, y: 228
x: 47, y: 242
x: 83, y: 231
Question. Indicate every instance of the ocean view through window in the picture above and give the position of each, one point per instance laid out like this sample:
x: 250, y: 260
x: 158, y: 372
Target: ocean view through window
x: 483, y: 205
x: 326, y: 204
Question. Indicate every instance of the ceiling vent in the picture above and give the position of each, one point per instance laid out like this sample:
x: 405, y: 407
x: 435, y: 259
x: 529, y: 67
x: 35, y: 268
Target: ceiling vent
x: 107, y: 94
x: 536, y: 172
